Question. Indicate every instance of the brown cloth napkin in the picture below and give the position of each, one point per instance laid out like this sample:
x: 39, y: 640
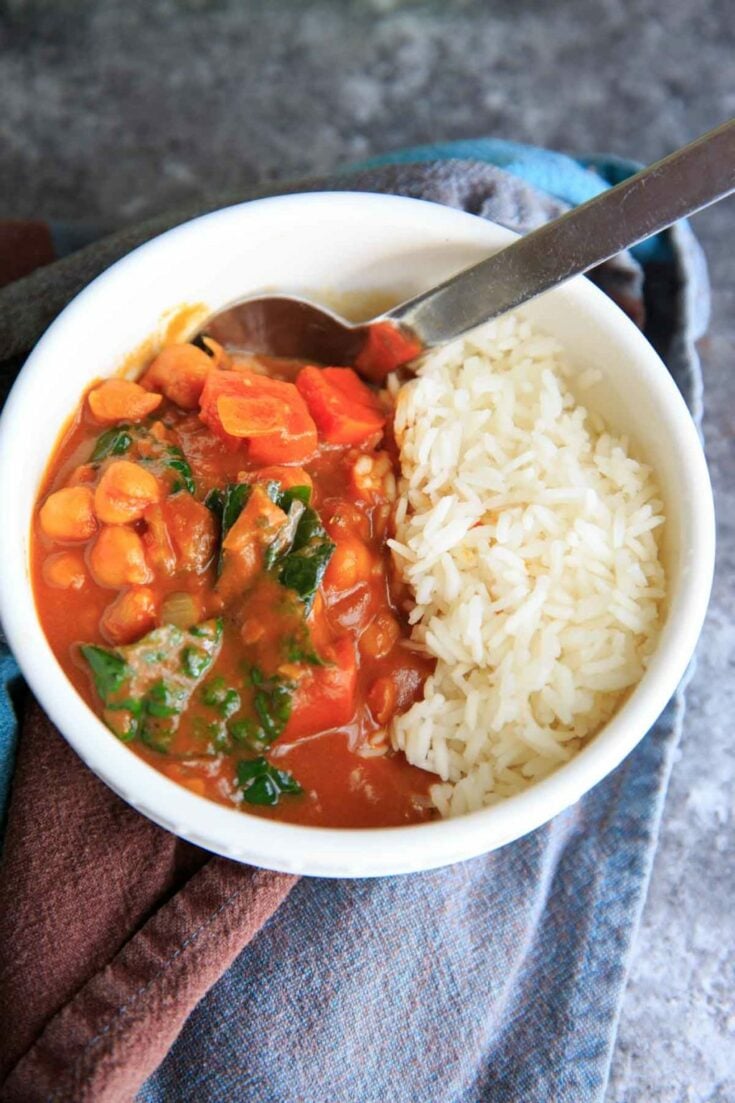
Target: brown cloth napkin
x: 111, y: 929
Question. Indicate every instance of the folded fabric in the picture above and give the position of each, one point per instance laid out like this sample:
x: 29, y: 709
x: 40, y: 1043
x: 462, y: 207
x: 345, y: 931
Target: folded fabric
x: 133, y: 962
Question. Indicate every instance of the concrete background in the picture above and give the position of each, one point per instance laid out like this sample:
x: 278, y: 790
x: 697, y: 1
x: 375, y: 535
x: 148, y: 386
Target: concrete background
x: 111, y: 111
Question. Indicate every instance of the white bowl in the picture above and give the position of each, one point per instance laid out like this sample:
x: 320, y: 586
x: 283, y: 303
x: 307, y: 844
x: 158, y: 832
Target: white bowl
x: 342, y: 247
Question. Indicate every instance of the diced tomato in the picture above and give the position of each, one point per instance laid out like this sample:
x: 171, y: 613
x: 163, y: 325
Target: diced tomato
x: 157, y: 540
x: 326, y: 695
x: 344, y: 409
x: 387, y: 347
x: 192, y: 529
x: 352, y: 387
x: 270, y: 414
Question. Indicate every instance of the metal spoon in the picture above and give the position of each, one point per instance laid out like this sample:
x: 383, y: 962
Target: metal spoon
x: 684, y: 182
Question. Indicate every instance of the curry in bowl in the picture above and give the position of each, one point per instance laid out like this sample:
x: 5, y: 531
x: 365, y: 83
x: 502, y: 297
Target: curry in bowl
x: 211, y: 569
x: 344, y: 604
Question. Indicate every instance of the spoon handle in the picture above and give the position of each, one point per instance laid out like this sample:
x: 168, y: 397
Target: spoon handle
x: 684, y: 182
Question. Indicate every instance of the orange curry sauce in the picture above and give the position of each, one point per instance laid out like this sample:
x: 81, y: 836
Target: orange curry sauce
x: 304, y: 685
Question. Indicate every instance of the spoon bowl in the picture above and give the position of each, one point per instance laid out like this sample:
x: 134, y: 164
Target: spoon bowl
x: 290, y: 327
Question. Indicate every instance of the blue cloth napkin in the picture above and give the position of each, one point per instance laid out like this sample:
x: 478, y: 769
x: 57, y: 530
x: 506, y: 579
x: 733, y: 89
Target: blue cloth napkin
x: 498, y: 979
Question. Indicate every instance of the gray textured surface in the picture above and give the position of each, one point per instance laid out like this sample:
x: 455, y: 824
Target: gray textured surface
x: 112, y: 111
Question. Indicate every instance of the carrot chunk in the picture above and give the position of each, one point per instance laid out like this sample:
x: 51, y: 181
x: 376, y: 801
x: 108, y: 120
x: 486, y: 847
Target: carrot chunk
x: 344, y: 409
x: 179, y: 371
x: 130, y: 616
x: 250, y: 416
x: 117, y: 558
x: 326, y: 696
x: 122, y: 400
x: 124, y: 492
x: 270, y: 414
x: 68, y: 514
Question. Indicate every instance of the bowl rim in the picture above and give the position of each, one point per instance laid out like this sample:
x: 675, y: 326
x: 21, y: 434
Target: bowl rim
x: 351, y: 852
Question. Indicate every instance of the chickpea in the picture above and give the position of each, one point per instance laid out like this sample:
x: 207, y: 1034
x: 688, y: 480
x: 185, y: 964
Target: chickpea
x: 286, y: 476
x: 347, y: 519
x: 351, y: 563
x: 130, y: 616
x: 252, y: 631
x: 124, y: 493
x: 382, y: 699
x: 180, y: 371
x: 68, y: 514
x: 84, y: 474
x: 117, y: 558
x: 65, y: 571
x: 380, y: 636
x: 122, y: 399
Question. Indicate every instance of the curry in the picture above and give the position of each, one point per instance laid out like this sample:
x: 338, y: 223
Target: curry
x: 211, y: 568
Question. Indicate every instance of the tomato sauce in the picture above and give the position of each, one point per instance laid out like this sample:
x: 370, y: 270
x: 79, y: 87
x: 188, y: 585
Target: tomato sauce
x: 210, y: 565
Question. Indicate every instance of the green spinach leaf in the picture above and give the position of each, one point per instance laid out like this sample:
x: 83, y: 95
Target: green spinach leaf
x: 146, y: 686
x: 109, y: 670
x: 272, y: 702
x: 264, y: 784
x: 300, y: 552
x: 177, y: 461
x: 113, y: 442
x: 222, y: 698
x: 120, y: 439
x: 304, y: 568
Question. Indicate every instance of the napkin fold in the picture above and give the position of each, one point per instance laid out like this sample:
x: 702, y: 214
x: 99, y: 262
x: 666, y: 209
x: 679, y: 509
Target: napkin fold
x: 135, y: 965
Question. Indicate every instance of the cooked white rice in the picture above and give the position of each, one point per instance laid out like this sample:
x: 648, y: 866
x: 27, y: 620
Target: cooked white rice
x: 528, y: 536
